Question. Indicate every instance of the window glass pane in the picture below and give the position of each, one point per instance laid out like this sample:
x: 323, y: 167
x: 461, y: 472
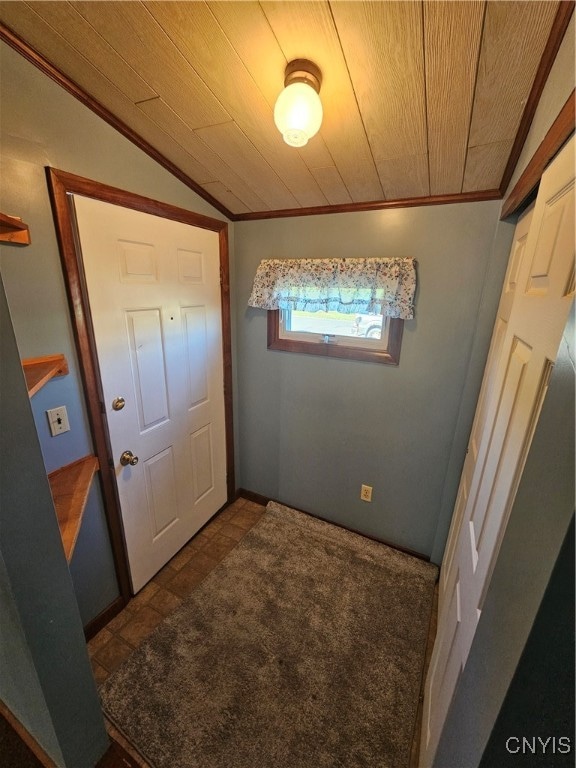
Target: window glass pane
x: 335, y: 323
x: 363, y: 336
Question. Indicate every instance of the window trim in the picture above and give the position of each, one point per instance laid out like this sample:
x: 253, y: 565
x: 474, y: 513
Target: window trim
x: 388, y: 356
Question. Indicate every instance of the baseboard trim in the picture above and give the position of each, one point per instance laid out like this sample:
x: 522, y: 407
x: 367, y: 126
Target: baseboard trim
x: 263, y: 500
x: 257, y: 498
x: 93, y: 627
x: 26, y: 737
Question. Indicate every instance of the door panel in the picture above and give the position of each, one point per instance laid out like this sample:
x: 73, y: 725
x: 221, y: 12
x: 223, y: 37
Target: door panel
x: 510, y: 409
x: 137, y: 262
x: 445, y: 667
x: 148, y: 367
x: 190, y: 266
x: 201, y: 442
x: 535, y: 302
x: 161, y: 491
x: 154, y: 291
x: 485, y: 400
x: 197, y: 355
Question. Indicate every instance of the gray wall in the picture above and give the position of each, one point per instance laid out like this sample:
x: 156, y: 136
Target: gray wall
x: 313, y: 429
x: 45, y: 674
x: 20, y: 688
x: 559, y: 86
x: 537, y: 527
x: 538, y: 524
x: 540, y: 700
x: 309, y: 430
x: 43, y: 125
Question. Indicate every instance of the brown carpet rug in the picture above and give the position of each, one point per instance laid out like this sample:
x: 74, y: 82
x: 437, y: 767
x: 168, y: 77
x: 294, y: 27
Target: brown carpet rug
x: 304, y: 648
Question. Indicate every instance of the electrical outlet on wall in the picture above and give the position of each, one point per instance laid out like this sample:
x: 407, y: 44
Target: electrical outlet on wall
x: 366, y: 493
x: 58, y: 420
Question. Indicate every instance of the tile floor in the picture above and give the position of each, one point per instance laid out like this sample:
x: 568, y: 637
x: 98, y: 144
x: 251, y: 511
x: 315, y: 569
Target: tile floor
x: 113, y: 644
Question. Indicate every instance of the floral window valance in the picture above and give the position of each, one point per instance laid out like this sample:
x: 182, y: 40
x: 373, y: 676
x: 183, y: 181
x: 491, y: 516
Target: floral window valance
x: 384, y: 286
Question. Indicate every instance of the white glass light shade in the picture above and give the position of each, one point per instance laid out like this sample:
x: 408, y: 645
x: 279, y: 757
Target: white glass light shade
x: 298, y: 113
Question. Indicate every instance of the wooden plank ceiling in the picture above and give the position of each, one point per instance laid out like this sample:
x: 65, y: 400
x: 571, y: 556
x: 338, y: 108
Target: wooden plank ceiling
x: 421, y: 99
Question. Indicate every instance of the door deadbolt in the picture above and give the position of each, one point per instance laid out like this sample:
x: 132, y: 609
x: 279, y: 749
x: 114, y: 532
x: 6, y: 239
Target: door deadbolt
x: 118, y: 403
x: 128, y: 458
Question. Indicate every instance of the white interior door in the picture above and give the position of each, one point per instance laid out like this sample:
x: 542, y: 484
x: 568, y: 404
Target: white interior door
x: 536, y: 300
x: 154, y: 292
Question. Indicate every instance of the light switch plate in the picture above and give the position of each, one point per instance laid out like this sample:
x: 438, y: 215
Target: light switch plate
x: 58, y: 420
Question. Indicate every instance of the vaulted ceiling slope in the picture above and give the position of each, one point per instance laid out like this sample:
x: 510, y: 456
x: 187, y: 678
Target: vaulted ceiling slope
x: 424, y: 101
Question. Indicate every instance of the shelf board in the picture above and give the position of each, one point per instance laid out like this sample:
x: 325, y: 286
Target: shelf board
x: 13, y: 230
x: 70, y: 486
x: 39, y: 370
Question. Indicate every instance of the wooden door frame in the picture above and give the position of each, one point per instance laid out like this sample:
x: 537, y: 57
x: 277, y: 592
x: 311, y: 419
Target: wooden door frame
x: 62, y: 186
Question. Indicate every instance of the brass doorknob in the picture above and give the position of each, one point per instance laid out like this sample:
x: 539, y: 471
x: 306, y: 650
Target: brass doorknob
x: 128, y: 458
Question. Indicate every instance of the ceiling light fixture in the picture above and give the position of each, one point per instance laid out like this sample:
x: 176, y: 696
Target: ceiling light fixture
x: 298, y: 110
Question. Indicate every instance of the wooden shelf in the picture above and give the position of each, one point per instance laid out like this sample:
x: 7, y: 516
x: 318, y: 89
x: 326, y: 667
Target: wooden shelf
x: 70, y: 486
x: 13, y: 230
x: 39, y: 370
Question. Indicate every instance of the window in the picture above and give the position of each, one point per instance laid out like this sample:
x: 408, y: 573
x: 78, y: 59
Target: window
x: 373, y: 338
x: 348, y: 308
